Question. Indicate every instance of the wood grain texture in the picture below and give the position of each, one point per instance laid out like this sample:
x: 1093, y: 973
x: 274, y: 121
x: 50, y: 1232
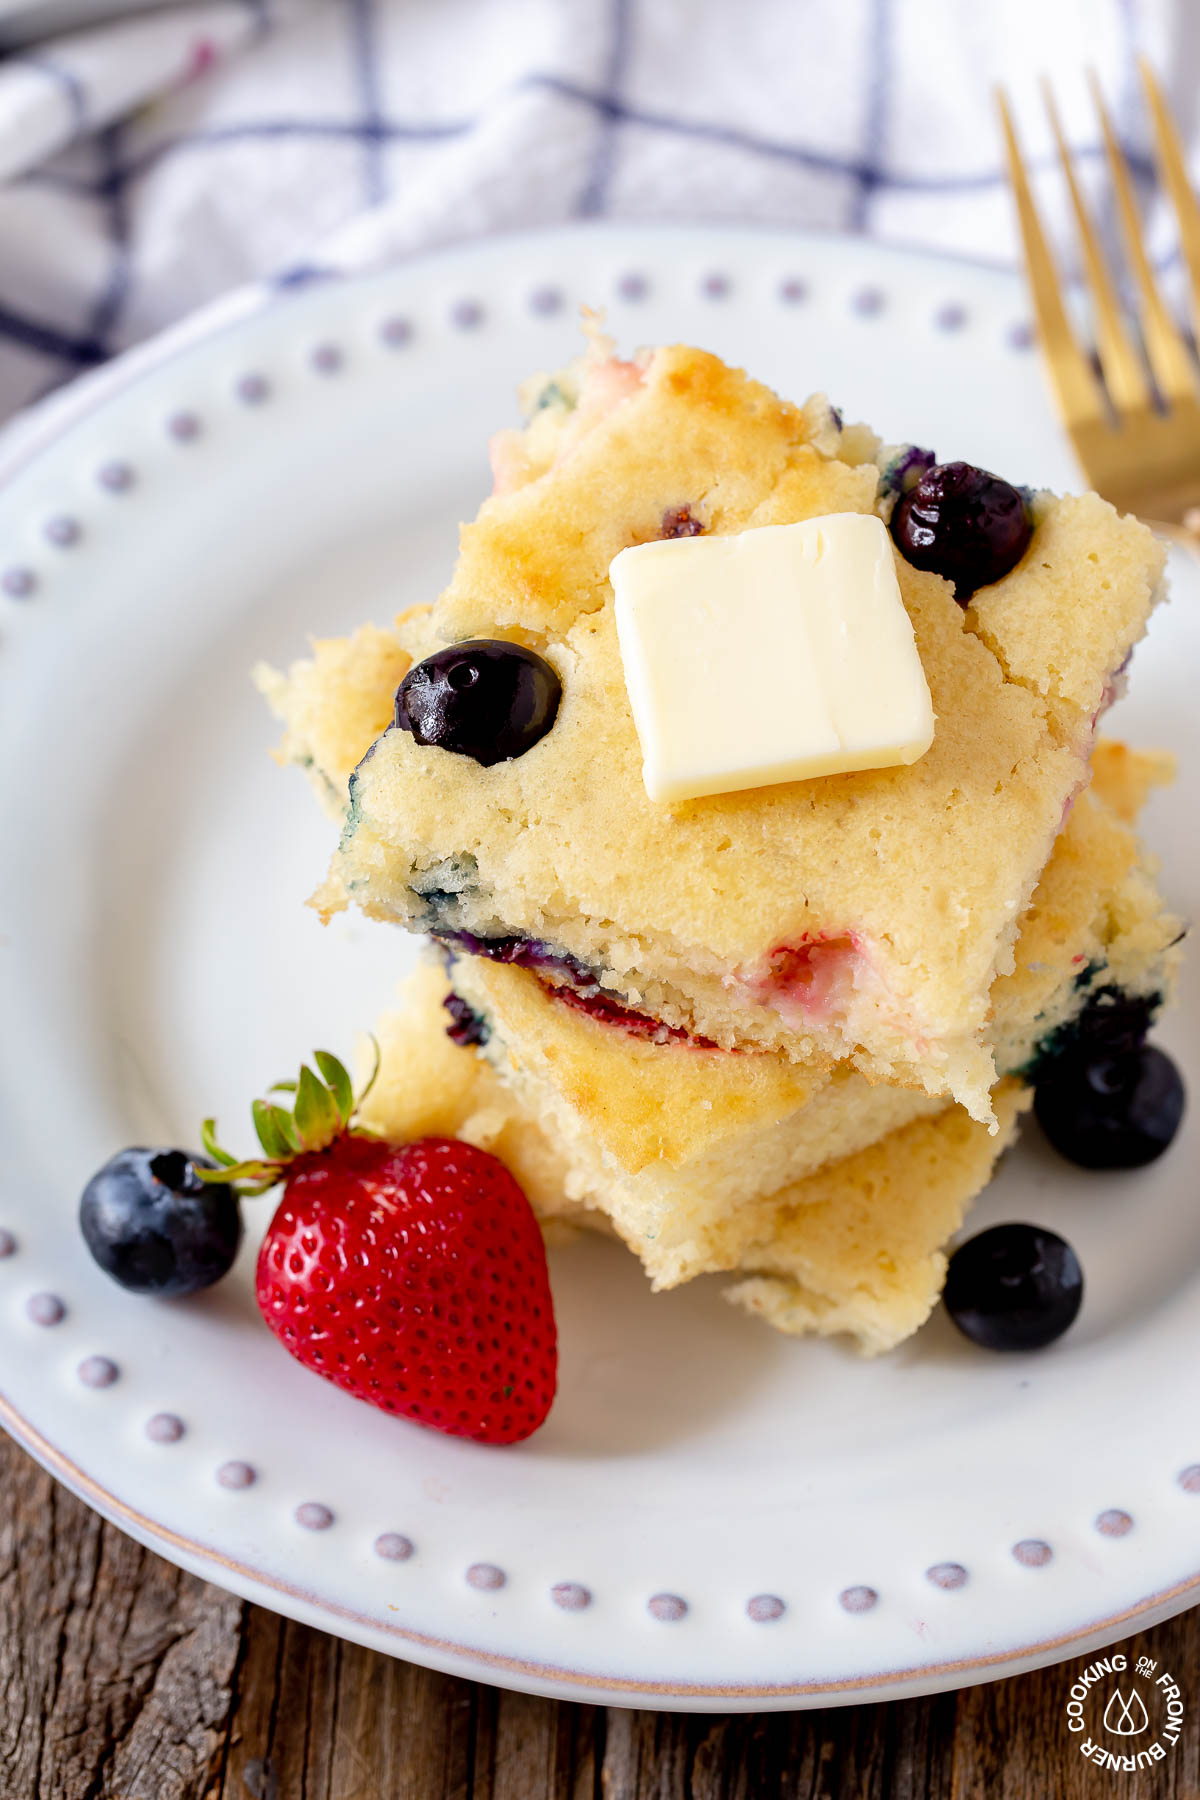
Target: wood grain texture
x: 116, y: 1670
x: 123, y: 1679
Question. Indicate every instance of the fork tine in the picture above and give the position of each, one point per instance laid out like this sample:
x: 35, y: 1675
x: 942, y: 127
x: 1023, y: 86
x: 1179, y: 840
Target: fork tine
x: 1173, y: 171
x: 1169, y: 358
x: 1075, y: 385
x: 1124, y: 374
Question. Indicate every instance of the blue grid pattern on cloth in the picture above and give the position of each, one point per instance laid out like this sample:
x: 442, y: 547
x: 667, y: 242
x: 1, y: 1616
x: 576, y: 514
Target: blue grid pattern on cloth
x: 339, y: 109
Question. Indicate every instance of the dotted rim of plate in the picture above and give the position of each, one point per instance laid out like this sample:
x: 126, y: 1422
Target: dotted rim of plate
x: 254, y: 388
x: 98, y: 1373
x: 115, y: 480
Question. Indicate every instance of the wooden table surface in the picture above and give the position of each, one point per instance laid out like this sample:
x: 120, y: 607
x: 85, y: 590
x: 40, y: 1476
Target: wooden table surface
x: 123, y: 1679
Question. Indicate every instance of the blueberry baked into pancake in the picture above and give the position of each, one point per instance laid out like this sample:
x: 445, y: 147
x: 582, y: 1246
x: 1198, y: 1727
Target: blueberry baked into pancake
x: 861, y: 915
x: 704, y: 1162
x: 746, y: 778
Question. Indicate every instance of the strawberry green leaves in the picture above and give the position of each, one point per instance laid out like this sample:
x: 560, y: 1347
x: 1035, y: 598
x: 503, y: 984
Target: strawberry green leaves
x: 317, y: 1116
x: 338, y: 1081
x: 322, y: 1111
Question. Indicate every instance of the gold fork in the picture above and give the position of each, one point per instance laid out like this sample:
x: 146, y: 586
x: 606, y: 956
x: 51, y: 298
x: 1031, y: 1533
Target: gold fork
x: 1136, y: 432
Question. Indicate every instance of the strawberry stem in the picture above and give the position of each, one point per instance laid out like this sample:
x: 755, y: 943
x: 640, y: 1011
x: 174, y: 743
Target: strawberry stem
x: 209, y: 1140
x: 322, y: 1111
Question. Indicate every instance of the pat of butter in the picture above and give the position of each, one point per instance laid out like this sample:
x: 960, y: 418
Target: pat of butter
x: 773, y: 655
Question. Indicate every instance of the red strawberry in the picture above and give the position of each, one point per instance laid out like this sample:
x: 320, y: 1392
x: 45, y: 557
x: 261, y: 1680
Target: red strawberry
x: 413, y: 1276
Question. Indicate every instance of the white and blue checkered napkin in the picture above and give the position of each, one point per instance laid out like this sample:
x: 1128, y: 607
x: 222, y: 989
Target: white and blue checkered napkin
x: 151, y: 164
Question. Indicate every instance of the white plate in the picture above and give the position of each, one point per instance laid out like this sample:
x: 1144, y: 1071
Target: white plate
x: 156, y: 962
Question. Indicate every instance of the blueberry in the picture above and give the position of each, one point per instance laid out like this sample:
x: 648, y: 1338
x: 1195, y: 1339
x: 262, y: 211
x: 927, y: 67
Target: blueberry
x: 1110, y: 1108
x: 963, y: 524
x: 155, y: 1227
x: 466, y: 1026
x: 1112, y: 1022
x: 526, y: 953
x: 1014, y: 1287
x: 486, y: 699
x: 678, y: 522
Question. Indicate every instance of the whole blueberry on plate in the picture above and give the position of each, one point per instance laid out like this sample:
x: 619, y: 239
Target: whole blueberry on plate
x: 964, y: 524
x: 155, y: 1227
x: 1110, y: 1107
x: 485, y: 698
x: 1014, y: 1287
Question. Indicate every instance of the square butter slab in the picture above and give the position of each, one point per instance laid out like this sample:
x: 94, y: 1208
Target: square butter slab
x: 778, y: 654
